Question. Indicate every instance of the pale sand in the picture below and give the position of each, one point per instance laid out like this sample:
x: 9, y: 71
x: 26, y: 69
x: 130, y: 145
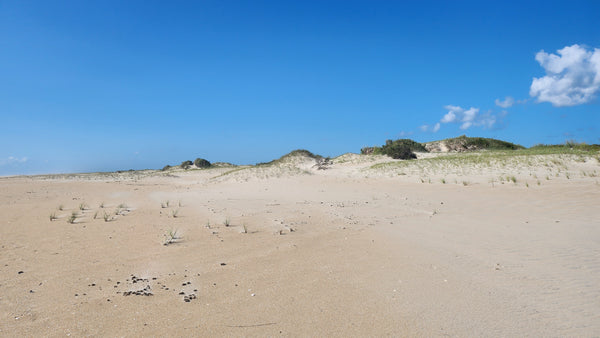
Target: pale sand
x: 348, y: 251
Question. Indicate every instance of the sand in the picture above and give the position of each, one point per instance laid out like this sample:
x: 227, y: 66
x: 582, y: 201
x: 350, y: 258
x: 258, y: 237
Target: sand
x: 401, y: 249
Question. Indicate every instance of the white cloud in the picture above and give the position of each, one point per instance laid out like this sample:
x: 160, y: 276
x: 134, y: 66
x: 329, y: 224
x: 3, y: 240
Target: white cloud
x: 507, y: 103
x: 572, y: 76
x: 467, y: 118
x: 449, y: 117
x: 459, y: 114
x: 470, y: 115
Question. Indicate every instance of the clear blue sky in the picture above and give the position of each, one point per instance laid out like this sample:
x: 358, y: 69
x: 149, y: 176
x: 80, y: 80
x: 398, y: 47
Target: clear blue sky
x: 110, y: 85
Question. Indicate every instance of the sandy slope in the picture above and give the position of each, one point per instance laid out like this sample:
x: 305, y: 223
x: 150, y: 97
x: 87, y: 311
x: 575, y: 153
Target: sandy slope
x: 348, y: 251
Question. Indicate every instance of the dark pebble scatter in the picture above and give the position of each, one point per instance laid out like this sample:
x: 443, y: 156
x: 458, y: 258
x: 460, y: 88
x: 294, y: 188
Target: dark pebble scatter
x: 143, y: 292
x: 189, y: 298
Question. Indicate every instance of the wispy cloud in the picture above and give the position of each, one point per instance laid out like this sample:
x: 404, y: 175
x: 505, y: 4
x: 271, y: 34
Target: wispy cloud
x: 434, y: 128
x: 572, y: 76
x: 507, y: 103
x: 12, y: 160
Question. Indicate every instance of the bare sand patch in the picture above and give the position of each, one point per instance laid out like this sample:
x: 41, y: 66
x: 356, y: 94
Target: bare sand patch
x: 368, y: 246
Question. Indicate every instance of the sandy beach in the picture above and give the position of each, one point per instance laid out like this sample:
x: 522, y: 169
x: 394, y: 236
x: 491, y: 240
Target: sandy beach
x: 368, y: 246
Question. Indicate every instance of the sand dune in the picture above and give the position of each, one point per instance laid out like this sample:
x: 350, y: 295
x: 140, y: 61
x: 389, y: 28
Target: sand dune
x: 458, y: 245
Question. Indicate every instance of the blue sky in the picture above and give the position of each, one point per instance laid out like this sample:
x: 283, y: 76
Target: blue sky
x: 111, y: 85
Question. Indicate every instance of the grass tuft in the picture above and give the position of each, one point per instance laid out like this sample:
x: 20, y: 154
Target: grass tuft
x: 107, y: 217
x: 171, y: 237
x: 72, y: 218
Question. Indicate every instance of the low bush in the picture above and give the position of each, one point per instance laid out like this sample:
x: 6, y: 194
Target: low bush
x: 186, y: 164
x: 398, y: 149
x: 202, y: 163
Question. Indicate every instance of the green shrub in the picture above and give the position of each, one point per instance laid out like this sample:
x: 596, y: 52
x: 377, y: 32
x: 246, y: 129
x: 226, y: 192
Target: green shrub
x: 202, y: 163
x: 186, y: 164
x: 398, y: 149
x: 401, y: 152
x: 167, y: 167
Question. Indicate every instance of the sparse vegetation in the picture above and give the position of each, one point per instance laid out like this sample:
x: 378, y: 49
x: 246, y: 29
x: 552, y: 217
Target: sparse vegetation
x: 102, y: 205
x: 175, y: 213
x: 107, y: 217
x: 186, y: 164
x: 244, y: 229
x: 227, y: 222
x: 201, y: 163
x: 72, y: 218
x: 171, y: 237
x: 82, y: 206
x: 567, y: 147
x: 464, y: 143
x: 398, y: 149
x: 284, y: 158
x: 164, y: 205
x: 53, y: 216
x: 61, y: 207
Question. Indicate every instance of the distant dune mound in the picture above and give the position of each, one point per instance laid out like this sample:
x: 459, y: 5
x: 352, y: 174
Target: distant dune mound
x: 297, y: 162
x: 464, y: 143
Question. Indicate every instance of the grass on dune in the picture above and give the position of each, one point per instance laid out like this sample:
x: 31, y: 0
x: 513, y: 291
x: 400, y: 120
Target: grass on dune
x: 502, y: 158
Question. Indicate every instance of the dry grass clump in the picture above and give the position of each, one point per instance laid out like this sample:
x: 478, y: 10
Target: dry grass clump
x: 72, y: 218
x: 171, y: 237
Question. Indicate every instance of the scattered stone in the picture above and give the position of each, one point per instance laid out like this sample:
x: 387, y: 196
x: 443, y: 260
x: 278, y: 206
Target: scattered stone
x: 189, y: 298
x: 223, y: 264
x: 143, y: 292
x: 20, y: 272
